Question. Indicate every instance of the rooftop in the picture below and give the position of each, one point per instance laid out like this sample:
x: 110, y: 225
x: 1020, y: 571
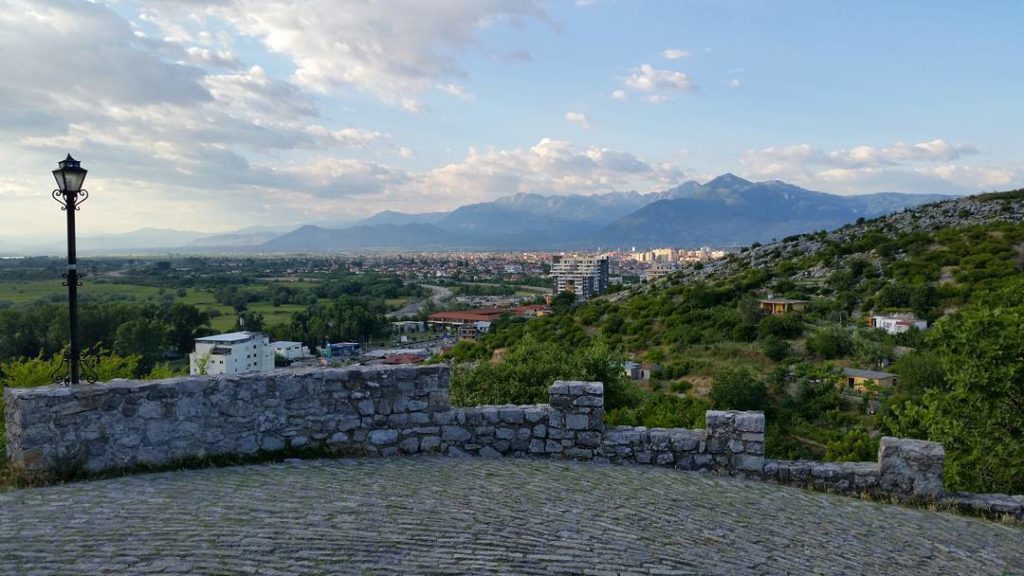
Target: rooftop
x: 229, y: 337
x: 872, y: 374
x: 478, y: 516
x: 783, y: 301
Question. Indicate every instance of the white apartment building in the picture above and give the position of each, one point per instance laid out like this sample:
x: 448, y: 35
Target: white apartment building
x: 659, y: 271
x: 234, y: 353
x: 290, y: 350
x: 585, y: 277
x: 898, y: 323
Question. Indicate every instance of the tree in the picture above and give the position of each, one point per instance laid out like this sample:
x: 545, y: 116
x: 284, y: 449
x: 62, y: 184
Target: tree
x: 853, y: 446
x: 185, y: 323
x: 783, y: 326
x: 872, y: 347
x: 738, y: 389
x: 830, y: 342
x: 531, y: 366
x: 249, y: 321
x: 775, y: 348
x: 979, y: 415
x: 142, y: 337
x: 563, y: 302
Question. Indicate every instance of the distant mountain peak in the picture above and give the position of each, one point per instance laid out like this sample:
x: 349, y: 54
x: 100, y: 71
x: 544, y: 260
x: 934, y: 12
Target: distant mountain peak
x: 728, y: 179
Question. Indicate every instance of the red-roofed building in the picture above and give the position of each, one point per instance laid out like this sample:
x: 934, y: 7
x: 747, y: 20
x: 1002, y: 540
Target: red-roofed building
x: 396, y: 359
x: 460, y: 317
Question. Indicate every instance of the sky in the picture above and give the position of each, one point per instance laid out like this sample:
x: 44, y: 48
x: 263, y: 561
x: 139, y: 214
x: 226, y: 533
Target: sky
x: 222, y: 114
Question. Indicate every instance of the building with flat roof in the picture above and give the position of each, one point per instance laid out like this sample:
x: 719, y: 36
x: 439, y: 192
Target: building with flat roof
x: 474, y: 315
x: 232, y: 353
x: 778, y: 306
x: 584, y: 277
x: 341, y: 350
x: 867, y: 381
x: 290, y: 350
x: 897, y: 323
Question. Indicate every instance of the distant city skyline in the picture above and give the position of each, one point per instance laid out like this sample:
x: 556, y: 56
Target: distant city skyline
x: 213, y: 116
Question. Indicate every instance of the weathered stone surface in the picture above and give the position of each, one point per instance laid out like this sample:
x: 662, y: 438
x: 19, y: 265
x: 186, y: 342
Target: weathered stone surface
x: 455, y: 433
x: 126, y: 423
x: 911, y: 467
x: 488, y: 452
x: 436, y: 516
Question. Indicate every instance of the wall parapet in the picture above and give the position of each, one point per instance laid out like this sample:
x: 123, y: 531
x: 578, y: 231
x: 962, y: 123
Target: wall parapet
x: 403, y: 410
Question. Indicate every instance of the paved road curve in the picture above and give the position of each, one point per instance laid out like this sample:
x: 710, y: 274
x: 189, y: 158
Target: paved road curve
x: 447, y: 516
x: 438, y: 295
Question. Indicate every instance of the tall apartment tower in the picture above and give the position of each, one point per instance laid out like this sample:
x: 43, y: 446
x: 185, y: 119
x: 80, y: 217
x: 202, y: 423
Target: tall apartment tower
x: 585, y: 277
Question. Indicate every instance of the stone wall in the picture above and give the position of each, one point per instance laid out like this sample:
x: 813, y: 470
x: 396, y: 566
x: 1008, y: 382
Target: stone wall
x: 732, y: 443
x: 56, y: 430
x: 125, y: 423
x: 905, y: 469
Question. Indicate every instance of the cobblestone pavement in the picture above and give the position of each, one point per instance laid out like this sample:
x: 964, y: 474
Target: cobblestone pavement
x: 449, y: 516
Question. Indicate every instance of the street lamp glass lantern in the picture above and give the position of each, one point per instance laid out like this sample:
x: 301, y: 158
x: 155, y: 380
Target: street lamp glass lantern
x: 70, y: 175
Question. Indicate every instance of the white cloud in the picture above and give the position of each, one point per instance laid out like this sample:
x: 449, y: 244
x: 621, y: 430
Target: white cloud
x: 578, y: 118
x: 393, y: 50
x: 929, y: 166
x: 648, y: 79
x: 735, y: 83
x: 619, y: 95
x: 675, y: 53
x: 457, y: 90
x: 116, y: 65
x: 213, y: 58
x: 411, y: 105
x: 860, y: 156
x: 657, y: 83
x: 548, y: 167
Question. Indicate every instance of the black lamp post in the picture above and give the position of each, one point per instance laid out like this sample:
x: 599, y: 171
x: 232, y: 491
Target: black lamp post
x: 69, y: 194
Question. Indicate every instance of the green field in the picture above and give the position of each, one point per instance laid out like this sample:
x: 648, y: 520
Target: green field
x: 27, y: 292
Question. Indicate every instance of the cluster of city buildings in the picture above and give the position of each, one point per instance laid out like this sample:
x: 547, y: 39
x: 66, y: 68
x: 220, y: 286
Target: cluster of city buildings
x: 660, y: 262
x: 677, y: 255
x: 467, y: 266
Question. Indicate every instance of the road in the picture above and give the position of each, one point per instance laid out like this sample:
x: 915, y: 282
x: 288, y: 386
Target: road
x: 438, y: 296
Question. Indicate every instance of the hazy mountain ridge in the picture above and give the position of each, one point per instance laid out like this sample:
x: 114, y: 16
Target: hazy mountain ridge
x: 395, y: 217
x: 727, y: 210
x: 378, y: 236
x: 732, y: 211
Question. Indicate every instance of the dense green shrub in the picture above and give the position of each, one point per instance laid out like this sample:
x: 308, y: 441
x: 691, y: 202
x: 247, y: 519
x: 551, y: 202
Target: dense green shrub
x: 738, y: 389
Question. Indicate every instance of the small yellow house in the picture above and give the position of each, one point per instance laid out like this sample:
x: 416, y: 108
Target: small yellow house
x: 777, y: 306
x: 867, y: 381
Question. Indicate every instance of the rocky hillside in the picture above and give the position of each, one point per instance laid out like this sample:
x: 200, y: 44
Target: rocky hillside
x: 1005, y: 207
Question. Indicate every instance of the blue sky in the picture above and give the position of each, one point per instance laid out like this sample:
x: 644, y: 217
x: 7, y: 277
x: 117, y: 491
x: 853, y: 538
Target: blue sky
x: 218, y: 115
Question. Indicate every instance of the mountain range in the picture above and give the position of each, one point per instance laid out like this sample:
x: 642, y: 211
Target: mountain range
x: 726, y: 211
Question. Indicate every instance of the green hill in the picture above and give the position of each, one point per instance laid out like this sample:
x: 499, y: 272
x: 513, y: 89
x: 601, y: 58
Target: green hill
x: 956, y: 264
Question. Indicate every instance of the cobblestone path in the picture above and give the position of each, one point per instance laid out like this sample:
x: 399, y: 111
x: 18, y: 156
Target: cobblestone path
x: 448, y: 516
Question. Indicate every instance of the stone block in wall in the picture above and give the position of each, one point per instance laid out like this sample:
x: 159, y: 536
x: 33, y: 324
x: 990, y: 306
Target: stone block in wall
x: 735, y: 441
x: 575, y: 423
x: 911, y: 467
